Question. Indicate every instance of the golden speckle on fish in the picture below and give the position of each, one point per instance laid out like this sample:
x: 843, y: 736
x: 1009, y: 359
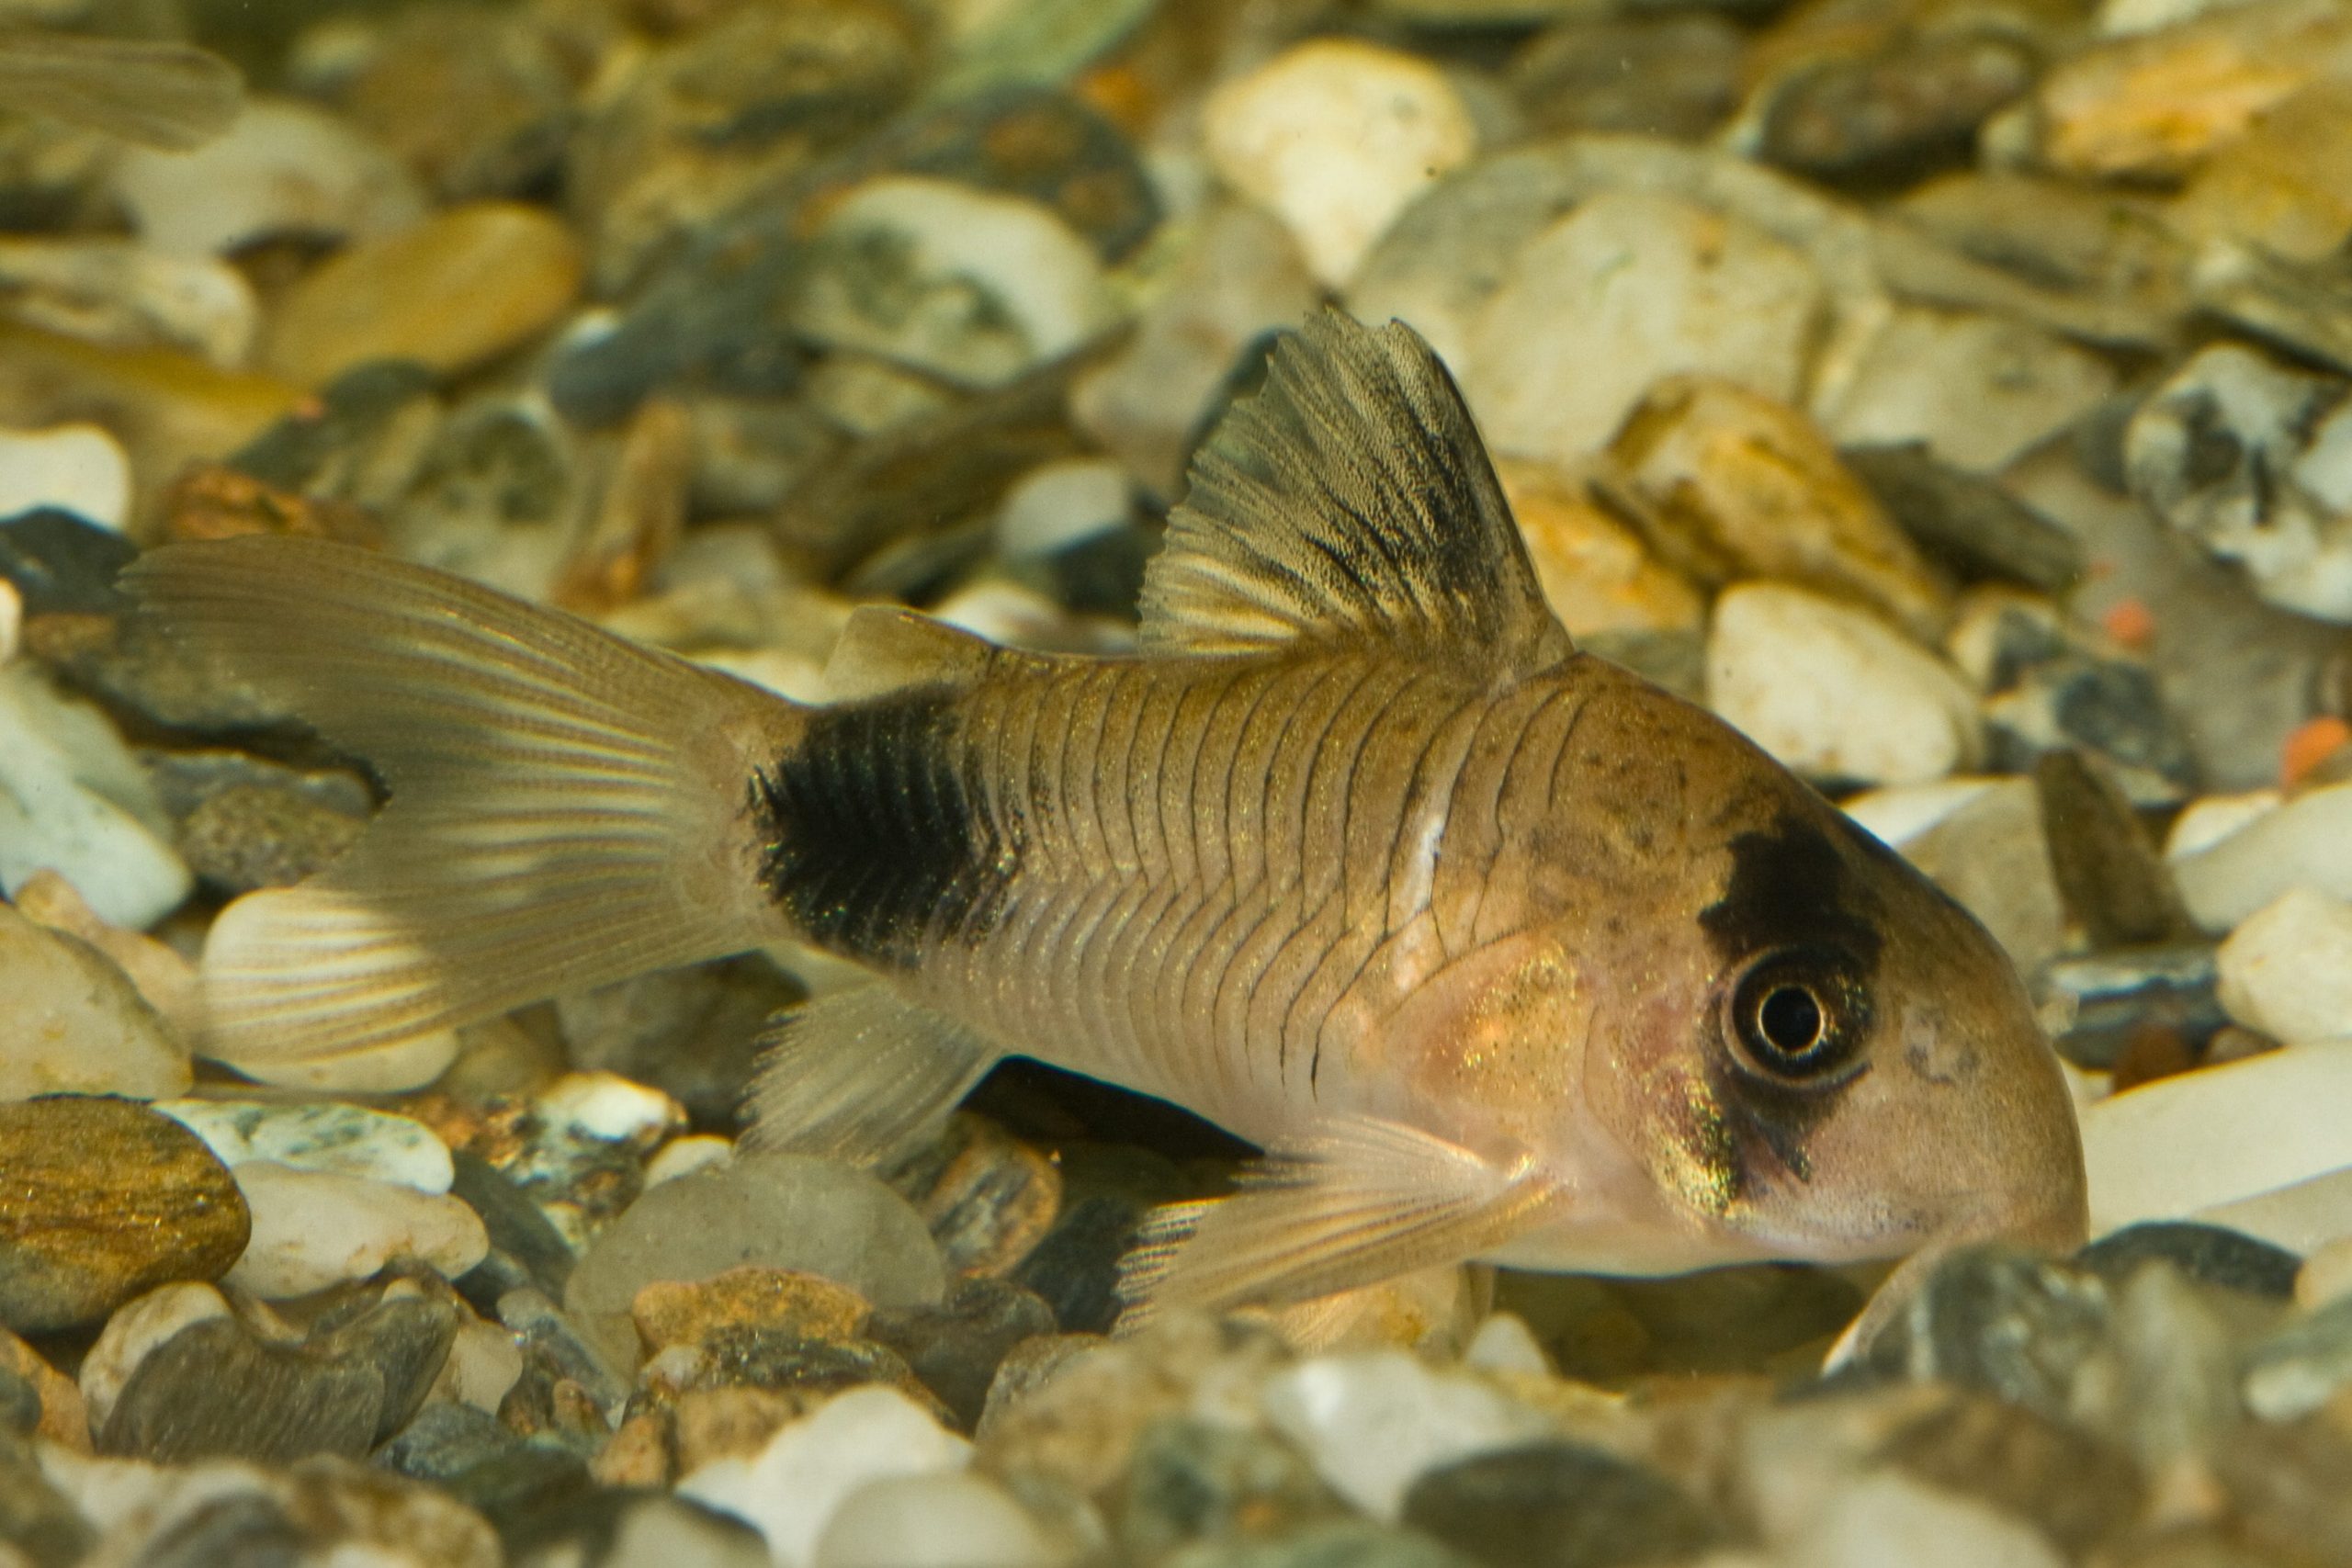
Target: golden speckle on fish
x: 1500, y: 951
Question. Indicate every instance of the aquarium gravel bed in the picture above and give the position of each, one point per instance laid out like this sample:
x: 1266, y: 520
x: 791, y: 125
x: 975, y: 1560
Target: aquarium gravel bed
x: 1955, y: 397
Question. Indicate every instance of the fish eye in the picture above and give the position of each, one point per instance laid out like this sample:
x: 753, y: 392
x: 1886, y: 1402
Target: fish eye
x: 1797, y: 1016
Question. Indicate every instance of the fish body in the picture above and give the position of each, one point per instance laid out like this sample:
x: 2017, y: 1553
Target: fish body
x: 1500, y: 951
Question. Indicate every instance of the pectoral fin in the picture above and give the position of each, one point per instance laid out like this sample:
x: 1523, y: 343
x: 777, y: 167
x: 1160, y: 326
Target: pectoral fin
x: 1359, y: 1202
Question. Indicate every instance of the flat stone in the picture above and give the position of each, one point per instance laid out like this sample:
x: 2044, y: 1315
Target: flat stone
x: 2178, y: 1147
x: 75, y: 1023
x: 1558, y: 1505
x: 2286, y: 970
x: 1833, y: 690
x: 1627, y: 289
x: 316, y: 1228
x: 1335, y: 137
x: 347, y: 1140
x: 1965, y: 522
x: 2117, y: 891
x: 99, y: 1200
x: 459, y: 289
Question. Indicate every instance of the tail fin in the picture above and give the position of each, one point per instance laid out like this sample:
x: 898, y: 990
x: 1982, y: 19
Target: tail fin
x: 566, y: 808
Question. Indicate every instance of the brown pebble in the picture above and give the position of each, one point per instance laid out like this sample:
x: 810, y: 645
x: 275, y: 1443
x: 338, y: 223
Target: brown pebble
x: 639, y: 1454
x: 808, y: 1306
x: 452, y: 292
x: 2153, y: 1052
x: 101, y: 1198
x: 735, y: 1422
x: 65, y: 1421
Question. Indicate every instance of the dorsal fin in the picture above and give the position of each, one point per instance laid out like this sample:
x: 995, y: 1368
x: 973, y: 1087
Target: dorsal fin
x: 886, y: 647
x: 1351, y: 499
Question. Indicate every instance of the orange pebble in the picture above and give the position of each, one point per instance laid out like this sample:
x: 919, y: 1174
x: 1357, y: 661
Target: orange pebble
x: 2308, y: 745
x: 2130, y: 622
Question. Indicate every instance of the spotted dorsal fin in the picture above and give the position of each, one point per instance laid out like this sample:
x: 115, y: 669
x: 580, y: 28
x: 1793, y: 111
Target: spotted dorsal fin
x: 1351, y: 499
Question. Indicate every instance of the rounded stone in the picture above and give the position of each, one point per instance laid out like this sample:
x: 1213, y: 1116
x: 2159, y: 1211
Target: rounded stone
x: 101, y: 1198
x: 451, y: 293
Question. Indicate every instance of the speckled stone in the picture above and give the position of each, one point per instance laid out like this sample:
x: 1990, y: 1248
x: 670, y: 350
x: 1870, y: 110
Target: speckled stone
x: 101, y: 1198
x: 750, y: 1297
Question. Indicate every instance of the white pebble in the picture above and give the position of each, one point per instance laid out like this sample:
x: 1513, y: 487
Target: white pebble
x: 1885, y: 1519
x: 74, y: 1024
x: 1629, y: 287
x: 137, y: 1328
x: 935, y: 1521
x: 1005, y: 284
x: 484, y: 1364
x: 73, y: 800
x: 348, y: 1140
x: 1335, y: 137
x: 2301, y: 1218
x: 1505, y: 1344
x: 312, y: 1229
x: 1371, y: 1423
x: 284, y: 167
x: 2286, y: 970
x: 2188, y: 1144
x: 391, y: 1068
x: 790, y: 1489
x: 1831, y: 690
x: 12, y: 619
x: 1057, y: 504
x: 684, y: 1157
x: 2307, y: 843
x: 2209, y: 819
x: 1896, y: 816
x: 607, y: 1107
x: 74, y: 468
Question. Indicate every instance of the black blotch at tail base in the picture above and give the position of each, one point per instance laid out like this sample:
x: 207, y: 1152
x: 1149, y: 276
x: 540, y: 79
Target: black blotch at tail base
x: 877, y: 842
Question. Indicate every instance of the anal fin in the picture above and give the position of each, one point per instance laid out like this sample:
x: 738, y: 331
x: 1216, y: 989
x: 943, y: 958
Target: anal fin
x: 1359, y: 1201
x: 859, y: 1075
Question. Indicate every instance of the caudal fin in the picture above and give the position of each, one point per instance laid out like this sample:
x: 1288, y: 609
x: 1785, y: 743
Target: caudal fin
x: 565, y: 806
